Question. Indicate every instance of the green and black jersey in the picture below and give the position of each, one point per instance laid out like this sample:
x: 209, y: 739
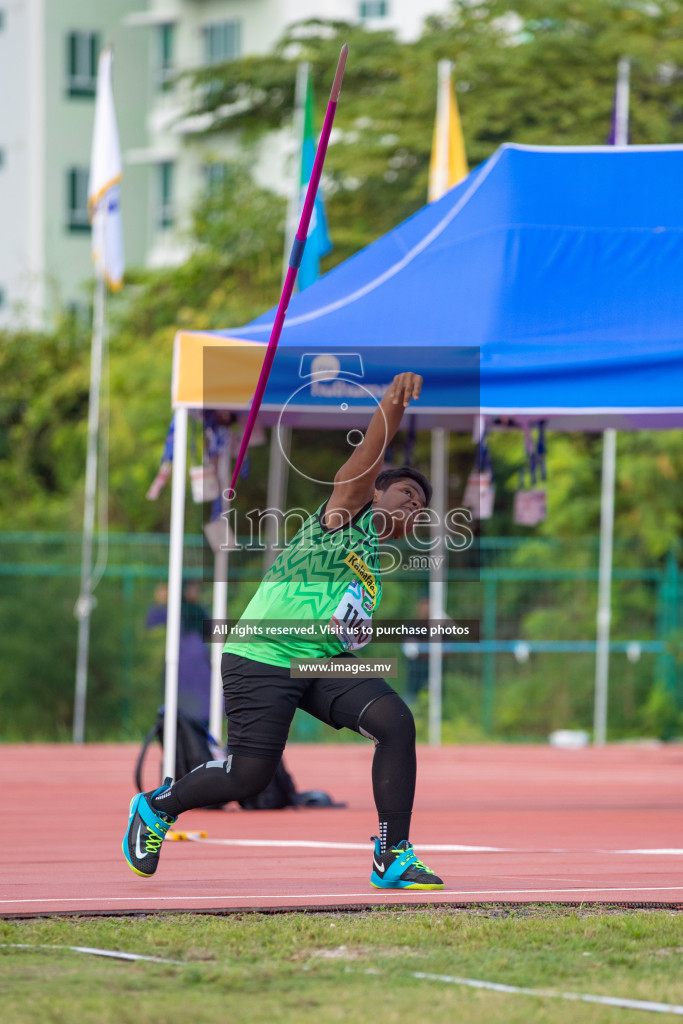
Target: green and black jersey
x: 325, y: 579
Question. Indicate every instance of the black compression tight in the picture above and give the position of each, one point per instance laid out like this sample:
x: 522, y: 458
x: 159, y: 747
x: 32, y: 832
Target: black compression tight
x: 387, y: 720
x: 218, y: 782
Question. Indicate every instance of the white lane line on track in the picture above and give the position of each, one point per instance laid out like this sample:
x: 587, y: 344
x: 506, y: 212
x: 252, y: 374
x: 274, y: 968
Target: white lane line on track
x: 624, y: 1004
x: 95, y: 952
x: 429, y: 847
x: 665, y: 853
x: 398, y: 893
x: 314, y: 844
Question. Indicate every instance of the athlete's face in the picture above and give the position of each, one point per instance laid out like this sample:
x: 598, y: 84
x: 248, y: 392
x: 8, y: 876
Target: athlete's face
x: 398, y: 503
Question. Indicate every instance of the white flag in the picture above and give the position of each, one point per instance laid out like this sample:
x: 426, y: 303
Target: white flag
x: 104, y: 195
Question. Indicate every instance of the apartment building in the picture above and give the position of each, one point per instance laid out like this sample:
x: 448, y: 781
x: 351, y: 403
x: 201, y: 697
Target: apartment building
x: 48, y: 68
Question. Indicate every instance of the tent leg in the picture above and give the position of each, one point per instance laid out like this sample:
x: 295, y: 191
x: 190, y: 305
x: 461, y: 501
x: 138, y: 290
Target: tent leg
x: 609, y: 458
x: 175, y: 587
x: 219, y: 611
x: 278, y: 473
x: 437, y: 577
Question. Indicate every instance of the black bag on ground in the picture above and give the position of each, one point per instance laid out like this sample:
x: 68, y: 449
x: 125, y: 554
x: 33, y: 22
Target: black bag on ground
x: 195, y: 745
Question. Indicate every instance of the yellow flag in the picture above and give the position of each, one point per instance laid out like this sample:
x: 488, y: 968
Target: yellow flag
x: 448, y: 164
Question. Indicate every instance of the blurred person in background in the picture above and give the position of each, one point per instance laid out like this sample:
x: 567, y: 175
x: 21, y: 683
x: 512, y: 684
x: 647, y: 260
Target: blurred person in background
x: 194, y: 663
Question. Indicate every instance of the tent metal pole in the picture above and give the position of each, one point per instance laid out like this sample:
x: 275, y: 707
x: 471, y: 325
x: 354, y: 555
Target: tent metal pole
x: 175, y: 588
x: 85, y: 602
x: 278, y: 474
x: 437, y: 573
x: 609, y: 458
x: 219, y: 609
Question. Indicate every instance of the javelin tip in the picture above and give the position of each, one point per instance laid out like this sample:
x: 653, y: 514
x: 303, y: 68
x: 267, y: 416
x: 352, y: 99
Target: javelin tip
x: 337, y: 84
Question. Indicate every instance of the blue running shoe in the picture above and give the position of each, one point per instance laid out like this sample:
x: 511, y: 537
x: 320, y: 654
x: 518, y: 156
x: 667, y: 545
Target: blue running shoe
x: 399, y: 868
x: 146, y: 832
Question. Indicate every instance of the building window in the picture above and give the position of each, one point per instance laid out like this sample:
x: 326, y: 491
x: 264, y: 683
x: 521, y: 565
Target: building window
x: 2, y: 157
x: 368, y: 9
x: 77, y: 199
x: 165, y: 216
x: 79, y: 313
x: 165, y: 47
x: 2, y: 297
x: 222, y: 42
x: 2, y: 19
x: 83, y: 50
x: 215, y: 177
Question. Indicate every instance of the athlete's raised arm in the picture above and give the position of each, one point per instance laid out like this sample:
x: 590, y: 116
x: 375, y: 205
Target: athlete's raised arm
x: 354, y: 482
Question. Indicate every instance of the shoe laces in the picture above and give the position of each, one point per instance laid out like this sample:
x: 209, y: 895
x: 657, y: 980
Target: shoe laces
x: 153, y: 841
x: 409, y: 857
x: 423, y: 867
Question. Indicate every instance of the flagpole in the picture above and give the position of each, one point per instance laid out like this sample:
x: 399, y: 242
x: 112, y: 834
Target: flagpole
x: 621, y: 112
x: 107, y: 250
x: 302, y: 73
x: 85, y: 602
x: 444, y: 78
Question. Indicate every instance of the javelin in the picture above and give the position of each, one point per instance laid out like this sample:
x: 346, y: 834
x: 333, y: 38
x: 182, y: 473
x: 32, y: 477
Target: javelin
x: 294, y: 261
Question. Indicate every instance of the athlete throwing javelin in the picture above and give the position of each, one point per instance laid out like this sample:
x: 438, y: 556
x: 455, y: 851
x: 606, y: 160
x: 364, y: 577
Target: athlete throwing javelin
x: 328, y: 577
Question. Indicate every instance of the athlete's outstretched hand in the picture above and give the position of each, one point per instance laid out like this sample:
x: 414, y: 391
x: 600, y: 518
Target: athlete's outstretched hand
x: 354, y: 482
x: 403, y: 387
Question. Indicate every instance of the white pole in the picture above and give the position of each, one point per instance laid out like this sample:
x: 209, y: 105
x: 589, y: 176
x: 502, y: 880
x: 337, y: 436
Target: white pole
x: 437, y: 585
x: 175, y: 588
x: 609, y: 458
x: 219, y: 608
x: 609, y: 461
x: 294, y: 202
x: 444, y: 71
x: 278, y: 472
x: 621, y: 106
x: 85, y: 601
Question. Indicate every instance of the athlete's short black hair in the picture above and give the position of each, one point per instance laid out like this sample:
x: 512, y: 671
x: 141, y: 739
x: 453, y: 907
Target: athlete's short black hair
x: 389, y: 476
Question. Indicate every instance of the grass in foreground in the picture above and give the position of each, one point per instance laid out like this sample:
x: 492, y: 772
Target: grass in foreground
x: 311, y: 967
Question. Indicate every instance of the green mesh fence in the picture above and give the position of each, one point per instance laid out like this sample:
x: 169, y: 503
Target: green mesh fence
x: 533, y: 671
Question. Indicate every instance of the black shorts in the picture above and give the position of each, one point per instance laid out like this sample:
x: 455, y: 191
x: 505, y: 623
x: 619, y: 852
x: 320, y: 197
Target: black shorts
x: 260, y: 701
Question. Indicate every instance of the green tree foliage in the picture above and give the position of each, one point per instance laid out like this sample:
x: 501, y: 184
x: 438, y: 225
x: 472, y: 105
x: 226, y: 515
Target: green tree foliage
x: 525, y: 71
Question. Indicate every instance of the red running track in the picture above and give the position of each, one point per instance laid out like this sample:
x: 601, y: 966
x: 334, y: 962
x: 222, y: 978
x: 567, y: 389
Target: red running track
x: 560, y: 826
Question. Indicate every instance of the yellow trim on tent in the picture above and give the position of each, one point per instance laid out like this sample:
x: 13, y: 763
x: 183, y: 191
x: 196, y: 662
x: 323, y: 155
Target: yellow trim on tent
x: 213, y: 372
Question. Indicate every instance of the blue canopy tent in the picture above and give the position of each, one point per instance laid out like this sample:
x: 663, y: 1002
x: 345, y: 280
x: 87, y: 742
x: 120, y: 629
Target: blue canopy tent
x: 545, y: 286
x: 562, y: 265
